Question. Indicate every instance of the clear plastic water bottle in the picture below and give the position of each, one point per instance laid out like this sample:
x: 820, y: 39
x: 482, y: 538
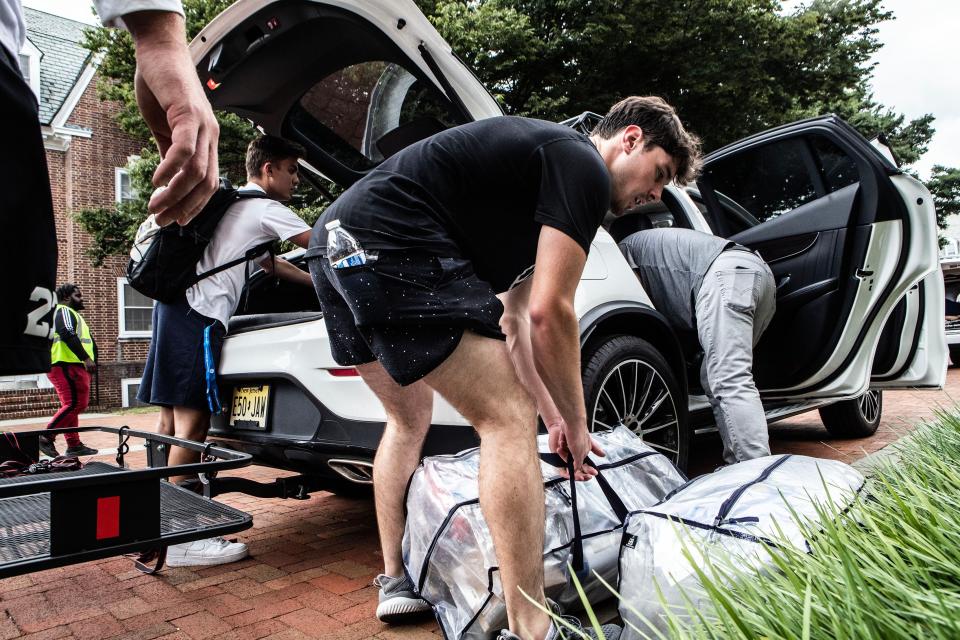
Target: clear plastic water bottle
x: 343, y: 250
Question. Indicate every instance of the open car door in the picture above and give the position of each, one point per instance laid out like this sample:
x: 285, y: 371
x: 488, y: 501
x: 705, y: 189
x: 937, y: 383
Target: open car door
x: 852, y: 243
x: 353, y: 81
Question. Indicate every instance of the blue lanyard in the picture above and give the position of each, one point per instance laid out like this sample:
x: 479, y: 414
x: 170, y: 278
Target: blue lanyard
x: 213, y: 394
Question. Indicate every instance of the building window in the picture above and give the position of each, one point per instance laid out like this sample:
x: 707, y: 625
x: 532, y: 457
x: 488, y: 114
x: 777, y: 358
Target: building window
x: 124, y: 188
x: 135, y: 311
x: 29, y: 59
x: 129, y: 387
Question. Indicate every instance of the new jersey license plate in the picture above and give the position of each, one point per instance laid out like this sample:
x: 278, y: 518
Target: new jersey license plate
x: 249, y: 407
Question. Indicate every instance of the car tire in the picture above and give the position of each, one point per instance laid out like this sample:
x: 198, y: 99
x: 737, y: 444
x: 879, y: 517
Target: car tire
x: 856, y: 418
x: 626, y: 380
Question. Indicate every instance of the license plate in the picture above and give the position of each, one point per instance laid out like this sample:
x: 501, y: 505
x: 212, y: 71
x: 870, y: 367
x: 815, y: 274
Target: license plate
x: 249, y: 407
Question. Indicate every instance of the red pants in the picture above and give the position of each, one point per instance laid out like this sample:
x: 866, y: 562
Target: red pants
x: 72, y: 383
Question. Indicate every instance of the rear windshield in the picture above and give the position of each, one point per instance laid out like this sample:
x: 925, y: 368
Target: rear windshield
x: 366, y: 112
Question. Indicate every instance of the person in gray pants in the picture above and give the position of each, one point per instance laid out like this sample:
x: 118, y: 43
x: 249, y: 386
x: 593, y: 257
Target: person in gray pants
x: 726, y: 293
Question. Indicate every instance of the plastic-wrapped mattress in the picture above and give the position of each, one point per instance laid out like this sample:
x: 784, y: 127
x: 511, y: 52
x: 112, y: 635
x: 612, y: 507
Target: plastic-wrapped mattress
x: 729, y: 518
x: 448, y: 551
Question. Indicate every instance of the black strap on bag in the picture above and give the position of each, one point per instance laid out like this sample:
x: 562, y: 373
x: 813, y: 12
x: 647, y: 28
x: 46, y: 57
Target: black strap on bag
x: 619, y: 509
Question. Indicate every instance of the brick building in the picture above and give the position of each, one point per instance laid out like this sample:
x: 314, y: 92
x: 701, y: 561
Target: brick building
x: 86, y: 154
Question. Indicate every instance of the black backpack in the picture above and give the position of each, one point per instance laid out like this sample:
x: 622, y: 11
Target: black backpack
x: 163, y: 260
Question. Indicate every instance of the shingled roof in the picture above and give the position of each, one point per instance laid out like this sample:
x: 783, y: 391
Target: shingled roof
x: 62, y: 58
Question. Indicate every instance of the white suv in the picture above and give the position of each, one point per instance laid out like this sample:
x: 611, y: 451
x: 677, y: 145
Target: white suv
x: 851, y: 241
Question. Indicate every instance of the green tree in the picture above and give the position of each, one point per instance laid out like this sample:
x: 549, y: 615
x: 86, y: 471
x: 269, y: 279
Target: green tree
x: 944, y: 185
x: 731, y: 67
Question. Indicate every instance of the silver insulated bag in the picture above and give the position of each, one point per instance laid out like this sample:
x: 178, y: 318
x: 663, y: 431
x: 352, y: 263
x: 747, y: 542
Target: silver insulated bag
x: 733, y: 518
x: 448, y: 551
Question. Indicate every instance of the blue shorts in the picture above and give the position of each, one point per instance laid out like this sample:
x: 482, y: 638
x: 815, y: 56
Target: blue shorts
x: 175, y: 375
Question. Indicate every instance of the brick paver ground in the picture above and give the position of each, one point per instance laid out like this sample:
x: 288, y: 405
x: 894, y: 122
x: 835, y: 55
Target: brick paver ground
x: 311, y: 561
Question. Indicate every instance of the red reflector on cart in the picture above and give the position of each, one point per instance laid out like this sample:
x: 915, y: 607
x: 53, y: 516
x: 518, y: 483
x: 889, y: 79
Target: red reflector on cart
x: 108, y: 517
x: 344, y: 373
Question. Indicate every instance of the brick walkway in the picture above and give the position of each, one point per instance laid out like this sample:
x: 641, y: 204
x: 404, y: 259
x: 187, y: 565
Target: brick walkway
x: 312, y: 561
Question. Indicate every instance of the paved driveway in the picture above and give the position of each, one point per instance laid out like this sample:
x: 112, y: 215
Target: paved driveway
x: 312, y: 561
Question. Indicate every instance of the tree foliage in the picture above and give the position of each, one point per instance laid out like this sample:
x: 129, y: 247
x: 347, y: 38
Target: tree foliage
x: 731, y: 67
x: 944, y: 185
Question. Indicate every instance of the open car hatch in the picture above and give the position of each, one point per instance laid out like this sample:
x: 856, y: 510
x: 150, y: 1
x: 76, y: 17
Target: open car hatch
x: 354, y: 82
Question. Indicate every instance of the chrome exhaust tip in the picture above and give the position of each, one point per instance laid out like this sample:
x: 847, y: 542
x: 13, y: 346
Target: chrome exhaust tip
x: 358, y: 471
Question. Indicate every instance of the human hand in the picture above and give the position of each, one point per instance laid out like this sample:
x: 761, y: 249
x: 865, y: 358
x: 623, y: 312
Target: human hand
x: 576, y: 444
x: 90, y: 365
x: 178, y: 114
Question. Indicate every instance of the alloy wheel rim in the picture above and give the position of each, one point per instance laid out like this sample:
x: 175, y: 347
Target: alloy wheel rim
x: 869, y: 405
x: 634, y: 395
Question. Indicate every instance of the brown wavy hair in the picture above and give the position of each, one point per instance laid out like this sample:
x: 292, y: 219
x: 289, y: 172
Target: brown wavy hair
x: 661, y: 127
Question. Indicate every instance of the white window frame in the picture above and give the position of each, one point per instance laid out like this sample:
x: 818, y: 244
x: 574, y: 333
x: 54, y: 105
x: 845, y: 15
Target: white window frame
x: 118, y: 173
x: 121, y: 317
x: 33, y: 55
x: 125, y: 390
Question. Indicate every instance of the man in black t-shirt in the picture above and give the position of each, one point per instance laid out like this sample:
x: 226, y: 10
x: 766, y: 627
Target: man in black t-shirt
x: 502, y: 207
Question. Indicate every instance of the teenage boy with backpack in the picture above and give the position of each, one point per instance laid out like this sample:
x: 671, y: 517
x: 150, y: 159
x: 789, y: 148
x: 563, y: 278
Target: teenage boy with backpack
x: 188, y: 334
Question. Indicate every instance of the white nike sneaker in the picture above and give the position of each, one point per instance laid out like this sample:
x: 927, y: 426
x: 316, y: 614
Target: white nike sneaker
x: 209, y: 551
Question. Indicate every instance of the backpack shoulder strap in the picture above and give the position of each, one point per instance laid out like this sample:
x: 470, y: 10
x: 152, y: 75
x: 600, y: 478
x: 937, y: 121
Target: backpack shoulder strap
x: 266, y: 247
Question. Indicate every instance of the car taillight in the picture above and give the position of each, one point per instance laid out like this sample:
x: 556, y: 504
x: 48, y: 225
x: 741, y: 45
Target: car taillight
x: 344, y: 373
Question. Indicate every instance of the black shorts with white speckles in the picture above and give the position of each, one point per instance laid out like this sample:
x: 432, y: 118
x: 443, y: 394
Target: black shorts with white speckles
x: 405, y: 309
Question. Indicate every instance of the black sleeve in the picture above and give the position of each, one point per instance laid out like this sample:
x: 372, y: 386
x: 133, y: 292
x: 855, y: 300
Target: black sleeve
x: 63, y: 325
x: 574, y: 189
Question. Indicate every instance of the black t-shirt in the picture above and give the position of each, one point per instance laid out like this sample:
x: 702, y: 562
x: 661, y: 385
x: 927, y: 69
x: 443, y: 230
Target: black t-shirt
x: 480, y: 191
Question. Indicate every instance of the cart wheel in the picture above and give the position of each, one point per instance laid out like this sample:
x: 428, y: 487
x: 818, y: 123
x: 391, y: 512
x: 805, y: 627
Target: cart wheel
x: 151, y: 560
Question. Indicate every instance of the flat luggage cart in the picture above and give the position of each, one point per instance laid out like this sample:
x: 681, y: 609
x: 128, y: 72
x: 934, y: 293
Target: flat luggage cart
x: 57, y: 518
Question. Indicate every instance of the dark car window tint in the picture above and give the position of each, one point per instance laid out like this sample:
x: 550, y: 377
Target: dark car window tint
x: 365, y: 112
x: 766, y: 181
x: 837, y: 168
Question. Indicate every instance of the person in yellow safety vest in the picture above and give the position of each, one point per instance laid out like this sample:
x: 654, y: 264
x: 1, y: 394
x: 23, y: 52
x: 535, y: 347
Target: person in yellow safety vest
x: 73, y: 357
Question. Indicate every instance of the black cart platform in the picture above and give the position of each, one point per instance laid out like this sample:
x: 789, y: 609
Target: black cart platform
x: 65, y: 517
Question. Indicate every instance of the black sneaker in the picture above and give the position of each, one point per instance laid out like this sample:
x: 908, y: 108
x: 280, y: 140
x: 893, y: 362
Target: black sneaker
x: 47, y: 448
x: 82, y: 450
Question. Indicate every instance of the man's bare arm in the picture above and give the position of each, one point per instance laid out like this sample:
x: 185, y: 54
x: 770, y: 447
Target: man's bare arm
x: 555, y: 337
x: 283, y: 269
x: 515, y: 323
x: 175, y: 108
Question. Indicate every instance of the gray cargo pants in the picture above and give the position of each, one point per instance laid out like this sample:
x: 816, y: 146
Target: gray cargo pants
x: 734, y: 306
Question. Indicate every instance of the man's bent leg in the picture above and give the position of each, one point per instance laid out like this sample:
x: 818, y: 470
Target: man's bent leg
x: 480, y: 381
x: 408, y: 412
x: 725, y: 310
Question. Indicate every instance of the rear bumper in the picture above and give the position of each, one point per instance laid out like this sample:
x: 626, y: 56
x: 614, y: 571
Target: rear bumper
x: 303, y: 435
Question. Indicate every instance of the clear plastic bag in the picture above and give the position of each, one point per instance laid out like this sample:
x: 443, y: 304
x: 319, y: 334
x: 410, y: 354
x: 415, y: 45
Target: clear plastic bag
x: 448, y: 551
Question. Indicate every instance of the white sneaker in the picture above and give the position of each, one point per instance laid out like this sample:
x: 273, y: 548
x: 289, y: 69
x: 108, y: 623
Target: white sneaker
x: 206, y: 552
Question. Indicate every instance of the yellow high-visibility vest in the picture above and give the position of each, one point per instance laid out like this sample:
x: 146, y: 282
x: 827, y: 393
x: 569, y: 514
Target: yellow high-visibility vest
x: 60, y: 352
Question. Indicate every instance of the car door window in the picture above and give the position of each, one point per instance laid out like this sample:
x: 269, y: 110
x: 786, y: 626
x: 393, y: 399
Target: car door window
x: 770, y: 180
x: 836, y: 167
x: 365, y: 112
x: 767, y: 181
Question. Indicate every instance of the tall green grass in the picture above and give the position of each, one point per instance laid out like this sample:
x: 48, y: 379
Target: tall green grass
x: 887, y: 569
